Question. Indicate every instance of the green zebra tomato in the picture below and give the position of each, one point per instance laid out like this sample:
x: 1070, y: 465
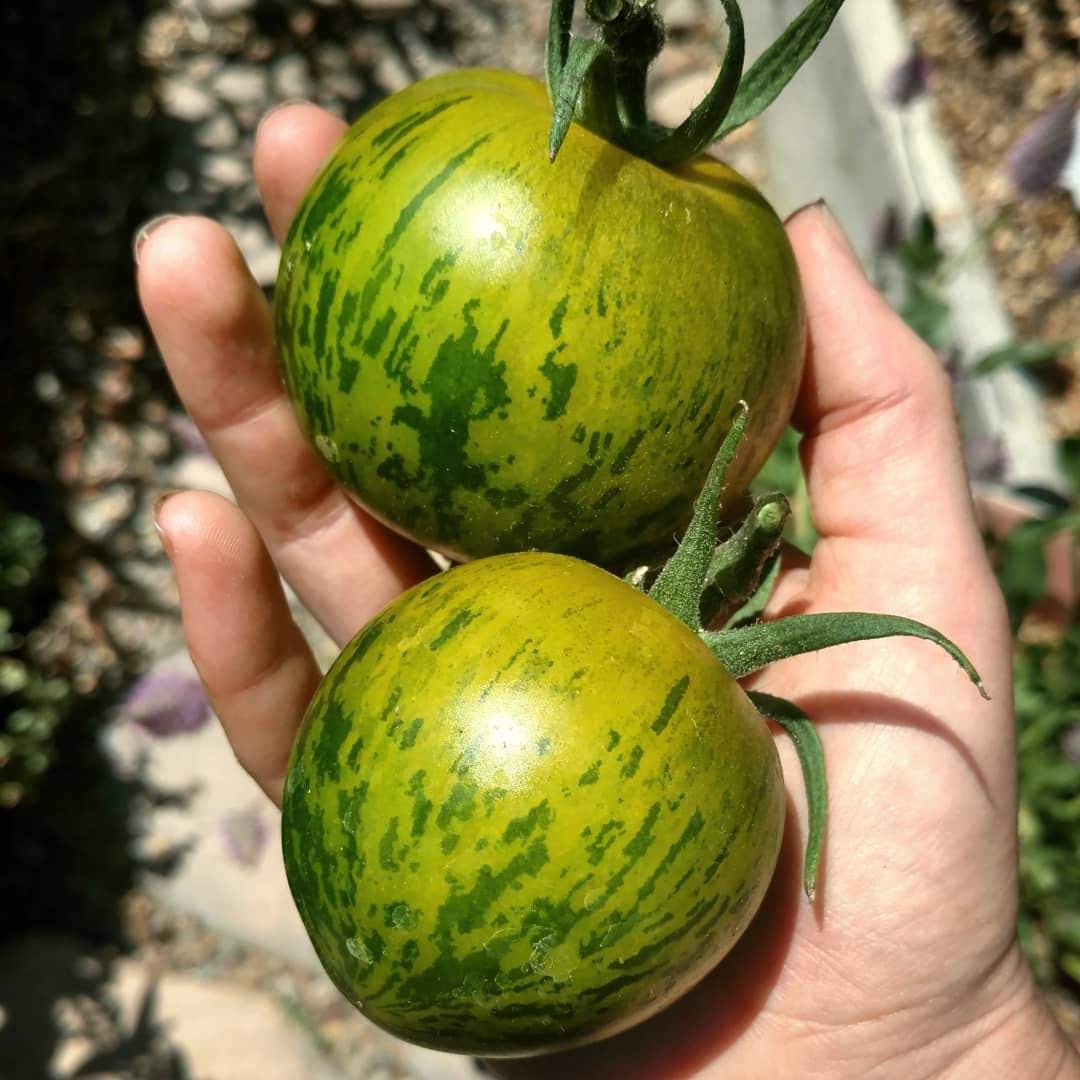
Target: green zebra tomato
x: 495, y: 353
x: 527, y: 808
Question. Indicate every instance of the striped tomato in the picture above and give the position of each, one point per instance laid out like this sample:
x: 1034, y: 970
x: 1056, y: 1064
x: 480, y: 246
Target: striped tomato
x: 494, y: 352
x: 527, y: 807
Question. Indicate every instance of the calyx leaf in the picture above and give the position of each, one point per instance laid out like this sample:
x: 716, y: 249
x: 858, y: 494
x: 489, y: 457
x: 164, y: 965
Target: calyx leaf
x: 682, y: 581
x: 751, y: 648
x: 803, y: 734
x: 779, y: 64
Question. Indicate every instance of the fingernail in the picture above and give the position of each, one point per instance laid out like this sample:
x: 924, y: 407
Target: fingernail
x: 818, y: 205
x: 820, y: 210
x: 144, y: 231
x: 159, y: 502
x: 287, y: 103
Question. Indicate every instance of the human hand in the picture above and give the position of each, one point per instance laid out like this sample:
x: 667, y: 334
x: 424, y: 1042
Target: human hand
x: 907, y: 964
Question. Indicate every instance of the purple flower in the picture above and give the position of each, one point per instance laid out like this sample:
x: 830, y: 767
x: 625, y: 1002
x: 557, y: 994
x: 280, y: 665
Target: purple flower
x: 1070, y: 744
x: 908, y: 80
x: 166, y: 703
x: 987, y: 460
x: 1038, y: 156
x: 245, y: 834
x: 952, y: 361
x: 888, y: 230
x: 187, y: 434
x: 1066, y: 272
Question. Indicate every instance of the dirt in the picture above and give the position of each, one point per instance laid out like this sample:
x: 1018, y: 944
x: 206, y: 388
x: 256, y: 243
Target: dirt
x: 995, y: 66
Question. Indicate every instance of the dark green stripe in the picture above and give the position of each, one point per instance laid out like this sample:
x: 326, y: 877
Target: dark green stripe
x: 458, y: 622
x: 540, y: 816
x: 396, y: 158
x: 622, y: 458
x: 425, y: 193
x: 631, y: 765
x: 327, y: 293
x: 561, y: 378
x: 332, y: 190
x: 674, y: 697
x: 590, y: 775
x: 557, y: 316
x: 405, y: 126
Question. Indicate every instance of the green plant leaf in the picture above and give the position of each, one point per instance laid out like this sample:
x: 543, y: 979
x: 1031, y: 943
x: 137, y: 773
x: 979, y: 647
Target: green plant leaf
x: 1070, y: 458
x: 1021, y: 565
x: 1019, y: 354
x: 558, y: 43
x: 780, y: 62
x: 802, y: 733
x: 927, y: 314
x: 921, y: 254
x: 1070, y: 964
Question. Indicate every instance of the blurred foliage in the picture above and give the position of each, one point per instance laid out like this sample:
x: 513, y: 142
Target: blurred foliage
x: 1047, y: 687
x: 1020, y: 354
x: 33, y: 702
x: 783, y: 472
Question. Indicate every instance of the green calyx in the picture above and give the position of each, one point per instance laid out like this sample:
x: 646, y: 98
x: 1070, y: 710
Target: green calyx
x: 729, y: 584
x: 601, y: 82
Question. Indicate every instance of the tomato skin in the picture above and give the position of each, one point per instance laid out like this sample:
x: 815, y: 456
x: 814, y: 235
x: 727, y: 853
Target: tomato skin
x: 527, y: 808
x: 496, y: 353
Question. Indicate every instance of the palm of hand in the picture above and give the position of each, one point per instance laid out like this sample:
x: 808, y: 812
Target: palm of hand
x: 910, y: 946
x: 911, y: 935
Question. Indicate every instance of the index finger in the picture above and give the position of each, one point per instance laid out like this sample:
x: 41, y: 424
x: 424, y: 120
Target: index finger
x: 291, y: 144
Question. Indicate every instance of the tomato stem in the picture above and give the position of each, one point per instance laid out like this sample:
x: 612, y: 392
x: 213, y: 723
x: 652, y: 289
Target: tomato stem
x: 601, y: 82
x: 699, y: 129
x: 699, y: 563
x: 604, y: 87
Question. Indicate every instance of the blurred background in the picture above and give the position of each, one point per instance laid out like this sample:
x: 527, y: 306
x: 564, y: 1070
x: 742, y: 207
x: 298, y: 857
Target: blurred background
x: 147, y: 930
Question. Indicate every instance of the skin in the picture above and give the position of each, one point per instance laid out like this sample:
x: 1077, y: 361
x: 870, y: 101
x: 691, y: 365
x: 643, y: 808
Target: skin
x: 907, y: 965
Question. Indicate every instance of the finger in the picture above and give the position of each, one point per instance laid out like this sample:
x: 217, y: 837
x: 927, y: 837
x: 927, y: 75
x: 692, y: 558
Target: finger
x: 290, y: 145
x: 257, y: 668
x: 214, y: 328
x: 881, y: 447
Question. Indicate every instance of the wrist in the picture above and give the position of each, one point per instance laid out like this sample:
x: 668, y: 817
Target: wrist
x: 1016, y: 1036
x: 998, y: 1027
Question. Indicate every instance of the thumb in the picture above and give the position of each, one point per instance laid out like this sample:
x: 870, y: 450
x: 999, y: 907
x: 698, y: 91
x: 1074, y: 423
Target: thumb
x: 881, y: 445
